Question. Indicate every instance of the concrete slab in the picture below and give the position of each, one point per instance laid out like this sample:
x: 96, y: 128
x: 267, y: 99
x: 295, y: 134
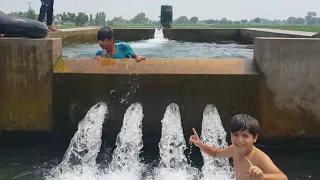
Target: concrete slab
x: 290, y: 85
x: 151, y: 66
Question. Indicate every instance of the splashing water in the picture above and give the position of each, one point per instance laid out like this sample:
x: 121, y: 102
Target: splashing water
x: 172, y: 143
x: 173, y: 163
x: 157, y: 40
x: 214, y: 134
x: 125, y: 159
x: 80, y: 157
x: 79, y: 161
x: 158, y: 34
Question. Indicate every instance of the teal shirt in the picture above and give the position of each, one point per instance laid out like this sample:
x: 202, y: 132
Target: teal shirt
x: 124, y: 50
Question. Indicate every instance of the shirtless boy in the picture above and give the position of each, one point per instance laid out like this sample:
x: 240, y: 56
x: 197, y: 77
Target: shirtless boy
x: 250, y: 163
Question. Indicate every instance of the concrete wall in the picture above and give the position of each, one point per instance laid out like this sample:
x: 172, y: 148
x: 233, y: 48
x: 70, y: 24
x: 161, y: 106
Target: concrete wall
x: 75, y: 93
x: 290, y: 85
x: 191, y: 83
x: 219, y: 35
x: 202, y: 35
x: 152, y: 66
x: 90, y: 35
x: 247, y: 35
x: 38, y: 92
x: 26, y: 82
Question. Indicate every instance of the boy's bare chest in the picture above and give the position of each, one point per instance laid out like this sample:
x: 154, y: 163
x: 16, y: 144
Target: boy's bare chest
x: 241, y: 168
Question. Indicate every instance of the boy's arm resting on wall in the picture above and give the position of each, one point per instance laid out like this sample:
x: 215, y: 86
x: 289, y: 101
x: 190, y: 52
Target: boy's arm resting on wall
x: 132, y: 54
x: 99, y: 53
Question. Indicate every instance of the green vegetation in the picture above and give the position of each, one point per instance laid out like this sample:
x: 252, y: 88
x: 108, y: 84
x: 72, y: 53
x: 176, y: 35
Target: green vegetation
x: 311, y: 22
x: 307, y: 28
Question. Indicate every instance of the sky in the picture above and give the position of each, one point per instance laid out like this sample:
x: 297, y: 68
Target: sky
x: 203, y: 9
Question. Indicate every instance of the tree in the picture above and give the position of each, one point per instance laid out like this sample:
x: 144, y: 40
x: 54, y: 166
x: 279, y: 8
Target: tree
x: 244, y: 21
x: 291, y: 20
x: 31, y: 14
x: 223, y: 21
x: 257, y: 20
x: 2, y: 13
x: 210, y: 21
x: 300, y: 21
x: 182, y: 20
x: 64, y: 17
x: 139, y: 18
x: 81, y: 19
x: 311, y: 18
x: 91, y: 20
x: 100, y: 18
x: 236, y: 22
x: 194, y: 20
x: 229, y: 22
x: 71, y: 17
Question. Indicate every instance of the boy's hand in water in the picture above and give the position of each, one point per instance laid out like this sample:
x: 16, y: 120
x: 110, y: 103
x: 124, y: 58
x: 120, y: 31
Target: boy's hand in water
x: 254, y: 172
x: 195, y: 138
x: 98, y: 58
x: 139, y: 58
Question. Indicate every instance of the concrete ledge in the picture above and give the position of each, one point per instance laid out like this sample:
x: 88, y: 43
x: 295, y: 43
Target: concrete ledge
x: 202, y: 35
x: 248, y: 34
x: 220, y: 35
x: 89, y: 35
x: 26, y: 82
x: 152, y: 66
x: 75, y: 36
x: 290, y: 85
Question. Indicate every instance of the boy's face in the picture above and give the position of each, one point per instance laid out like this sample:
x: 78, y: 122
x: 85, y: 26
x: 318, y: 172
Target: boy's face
x: 243, y: 140
x: 106, y: 43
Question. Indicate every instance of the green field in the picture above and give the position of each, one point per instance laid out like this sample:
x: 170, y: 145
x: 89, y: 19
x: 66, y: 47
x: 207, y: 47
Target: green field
x: 284, y: 27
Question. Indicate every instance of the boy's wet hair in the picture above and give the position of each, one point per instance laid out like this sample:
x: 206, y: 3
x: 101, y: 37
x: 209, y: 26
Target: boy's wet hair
x: 242, y: 122
x: 105, y: 33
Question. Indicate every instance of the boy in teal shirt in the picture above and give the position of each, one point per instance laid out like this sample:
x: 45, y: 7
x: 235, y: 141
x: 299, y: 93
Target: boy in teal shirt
x: 113, y: 50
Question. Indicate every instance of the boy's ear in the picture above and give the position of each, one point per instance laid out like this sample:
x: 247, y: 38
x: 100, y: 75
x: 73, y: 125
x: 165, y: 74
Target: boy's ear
x: 255, y: 138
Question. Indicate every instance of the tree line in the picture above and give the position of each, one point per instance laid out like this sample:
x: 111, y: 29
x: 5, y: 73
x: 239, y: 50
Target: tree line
x: 100, y: 19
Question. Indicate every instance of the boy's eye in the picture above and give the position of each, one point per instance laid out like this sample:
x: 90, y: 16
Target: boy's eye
x: 235, y: 134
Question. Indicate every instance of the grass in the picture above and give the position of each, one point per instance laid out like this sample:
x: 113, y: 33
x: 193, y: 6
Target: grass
x: 307, y: 28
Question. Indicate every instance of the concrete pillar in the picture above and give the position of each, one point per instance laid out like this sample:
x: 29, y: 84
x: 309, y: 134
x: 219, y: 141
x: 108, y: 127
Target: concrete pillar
x: 26, y: 67
x: 290, y: 86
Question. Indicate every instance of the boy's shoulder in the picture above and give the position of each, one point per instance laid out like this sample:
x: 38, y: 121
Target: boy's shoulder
x: 263, y: 161
x: 121, y: 43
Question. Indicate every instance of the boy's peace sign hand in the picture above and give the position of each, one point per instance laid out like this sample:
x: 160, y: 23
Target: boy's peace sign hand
x: 195, y: 138
x: 254, y: 172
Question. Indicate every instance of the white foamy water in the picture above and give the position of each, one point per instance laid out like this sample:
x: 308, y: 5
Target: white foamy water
x: 214, y: 134
x: 79, y: 161
x: 173, y: 163
x: 125, y: 159
x: 158, y: 40
x: 80, y: 157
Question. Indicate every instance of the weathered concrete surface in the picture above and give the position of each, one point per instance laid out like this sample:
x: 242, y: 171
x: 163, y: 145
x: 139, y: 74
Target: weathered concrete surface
x: 151, y: 66
x: 248, y: 34
x: 219, y: 35
x: 290, y: 86
x: 202, y: 35
x: 74, y: 94
x: 75, y: 36
x: 89, y: 35
x: 26, y: 82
